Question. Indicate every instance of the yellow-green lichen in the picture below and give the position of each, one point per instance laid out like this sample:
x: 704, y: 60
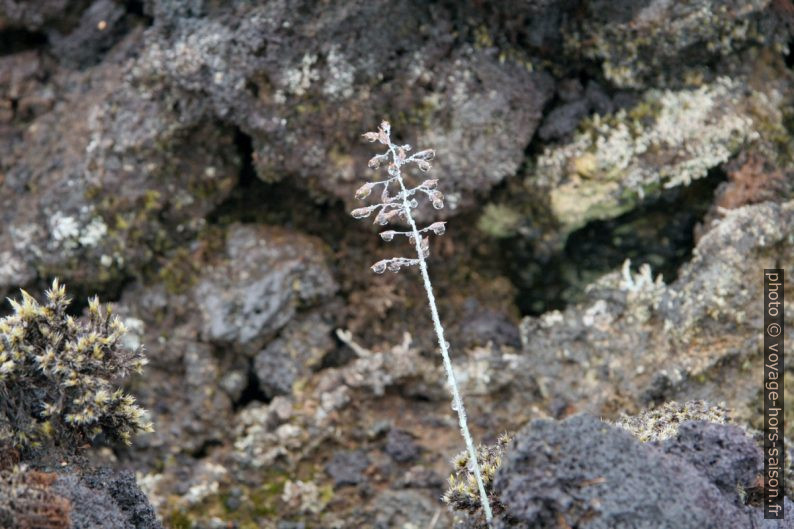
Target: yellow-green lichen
x: 499, y: 220
x: 667, y: 139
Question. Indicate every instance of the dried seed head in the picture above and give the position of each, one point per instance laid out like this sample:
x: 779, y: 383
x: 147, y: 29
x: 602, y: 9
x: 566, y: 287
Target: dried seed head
x: 388, y: 235
x: 423, y: 165
x: 371, y: 136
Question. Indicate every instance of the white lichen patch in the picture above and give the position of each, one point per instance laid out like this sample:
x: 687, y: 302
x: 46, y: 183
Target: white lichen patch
x: 299, y: 79
x: 64, y: 227
x: 303, y: 496
x: 93, y: 232
x: 339, y: 82
x: 70, y: 232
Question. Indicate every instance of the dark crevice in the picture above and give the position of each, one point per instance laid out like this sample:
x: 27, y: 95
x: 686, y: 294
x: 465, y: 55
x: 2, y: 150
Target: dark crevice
x: 251, y: 393
x: 659, y: 232
x: 339, y: 356
x: 280, y: 203
x: 16, y: 40
x: 204, y: 450
x: 107, y: 293
x: 245, y: 150
x: 789, y: 57
x: 136, y: 7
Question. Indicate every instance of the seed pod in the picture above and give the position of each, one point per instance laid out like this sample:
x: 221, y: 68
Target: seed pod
x: 364, y: 191
x: 388, y: 236
x: 427, y: 154
x: 370, y: 136
x: 379, y: 267
x: 430, y: 184
x: 425, y: 247
x: 384, y: 217
x: 376, y: 160
x: 423, y: 165
x: 438, y: 228
x: 361, y: 213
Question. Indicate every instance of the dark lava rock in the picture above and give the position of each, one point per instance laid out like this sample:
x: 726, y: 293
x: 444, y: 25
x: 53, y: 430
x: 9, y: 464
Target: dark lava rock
x: 346, y: 468
x: 300, y: 347
x: 401, y: 446
x: 105, y: 499
x: 593, y: 475
x: 267, y: 275
x: 724, y: 453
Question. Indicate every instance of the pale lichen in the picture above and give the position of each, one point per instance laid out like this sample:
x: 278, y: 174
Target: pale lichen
x: 668, y: 139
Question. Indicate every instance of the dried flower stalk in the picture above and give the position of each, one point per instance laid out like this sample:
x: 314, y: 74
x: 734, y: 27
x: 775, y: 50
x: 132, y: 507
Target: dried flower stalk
x: 399, y: 206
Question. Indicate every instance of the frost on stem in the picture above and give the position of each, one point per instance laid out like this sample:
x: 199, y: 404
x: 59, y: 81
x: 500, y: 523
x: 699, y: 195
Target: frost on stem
x: 399, y: 206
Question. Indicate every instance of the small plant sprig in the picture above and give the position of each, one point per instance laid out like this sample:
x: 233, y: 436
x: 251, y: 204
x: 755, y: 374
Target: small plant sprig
x: 399, y: 206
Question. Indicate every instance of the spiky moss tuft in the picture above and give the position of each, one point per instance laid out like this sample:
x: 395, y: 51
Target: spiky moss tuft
x: 58, y: 374
x: 663, y: 422
x: 462, y: 493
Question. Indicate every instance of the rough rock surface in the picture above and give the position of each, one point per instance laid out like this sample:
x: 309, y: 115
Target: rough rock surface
x: 73, y: 499
x: 583, y: 472
x: 107, y: 500
x: 656, y: 341
x: 195, y: 161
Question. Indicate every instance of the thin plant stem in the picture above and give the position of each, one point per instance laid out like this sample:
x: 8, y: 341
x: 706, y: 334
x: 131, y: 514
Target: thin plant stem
x: 442, y: 343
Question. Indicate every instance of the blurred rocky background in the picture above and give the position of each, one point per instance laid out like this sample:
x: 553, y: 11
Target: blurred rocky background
x: 618, y: 173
